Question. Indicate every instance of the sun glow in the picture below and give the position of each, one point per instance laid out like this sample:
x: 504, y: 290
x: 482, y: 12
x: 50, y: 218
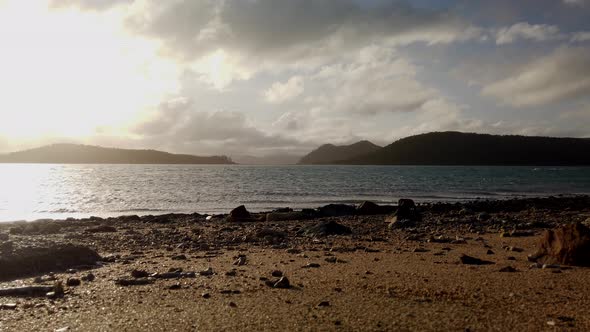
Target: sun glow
x: 67, y: 73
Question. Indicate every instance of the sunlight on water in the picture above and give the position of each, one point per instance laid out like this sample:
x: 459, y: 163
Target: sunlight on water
x: 59, y: 191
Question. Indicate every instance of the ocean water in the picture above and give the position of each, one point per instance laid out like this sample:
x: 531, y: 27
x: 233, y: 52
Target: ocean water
x: 32, y: 191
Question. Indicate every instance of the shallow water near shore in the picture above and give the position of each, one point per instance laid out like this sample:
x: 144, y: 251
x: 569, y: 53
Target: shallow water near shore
x: 61, y: 191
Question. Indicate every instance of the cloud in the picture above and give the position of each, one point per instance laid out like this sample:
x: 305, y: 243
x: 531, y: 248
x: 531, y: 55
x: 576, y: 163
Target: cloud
x: 281, y: 92
x: 524, y: 30
x: 581, y: 36
x: 560, y: 76
x: 97, y: 5
x: 575, y: 2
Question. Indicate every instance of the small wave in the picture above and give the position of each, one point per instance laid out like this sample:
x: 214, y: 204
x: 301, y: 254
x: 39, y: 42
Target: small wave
x: 141, y: 210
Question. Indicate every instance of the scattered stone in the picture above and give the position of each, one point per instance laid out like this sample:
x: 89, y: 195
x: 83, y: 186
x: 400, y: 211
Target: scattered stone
x: 311, y: 265
x: 336, y: 210
x: 72, y: 282
x: 277, y: 273
x: 294, y: 251
x: 4, y: 237
x: 568, y: 245
x: 133, y: 282
x: 483, y: 216
x: 465, y: 259
x: 550, y: 266
x: 290, y: 215
x: 324, y: 304
x: 27, y: 291
x: 180, y: 257
x: 508, y: 269
x: 231, y: 273
x: 139, y: 274
x: 490, y: 252
x: 175, y: 286
x: 206, y: 295
x: 101, y: 229
x: 325, y: 228
x: 233, y: 305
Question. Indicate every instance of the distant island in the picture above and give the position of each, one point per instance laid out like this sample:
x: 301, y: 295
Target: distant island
x: 87, y: 154
x: 456, y: 148
x: 329, y: 153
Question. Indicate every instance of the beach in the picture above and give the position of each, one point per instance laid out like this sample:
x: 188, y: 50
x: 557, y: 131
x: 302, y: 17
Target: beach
x: 336, y: 268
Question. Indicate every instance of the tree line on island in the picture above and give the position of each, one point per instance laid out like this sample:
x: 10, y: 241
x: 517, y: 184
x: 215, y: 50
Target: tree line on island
x: 437, y: 148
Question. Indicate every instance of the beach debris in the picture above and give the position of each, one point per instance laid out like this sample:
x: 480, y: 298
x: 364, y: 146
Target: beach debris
x: 27, y: 261
x: 325, y: 228
x: 101, y: 229
x: 469, y: 260
x: 567, y: 245
x: 241, y: 260
x: 240, y: 214
x: 133, y: 282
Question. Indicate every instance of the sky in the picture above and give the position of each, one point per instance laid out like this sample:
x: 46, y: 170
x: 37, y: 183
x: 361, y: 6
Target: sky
x: 265, y: 77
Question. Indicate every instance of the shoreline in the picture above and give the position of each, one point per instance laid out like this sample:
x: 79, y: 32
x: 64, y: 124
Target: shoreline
x: 343, y: 271
x: 74, y: 216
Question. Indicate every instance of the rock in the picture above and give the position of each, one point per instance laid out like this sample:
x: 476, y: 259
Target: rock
x: 240, y: 214
x: 336, y: 210
x: 8, y: 306
x: 207, y: 272
x: 233, y: 305
x: 72, y: 282
x: 28, y: 291
x: 490, y: 252
x: 291, y: 215
x: 88, y: 277
x: 483, y: 216
x: 368, y: 208
x: 325, y: 228
x: 277, y: 273
x: 139, y: 274
x: 133, y: 282
x: 101, y: 229
x: 175, y: 286
x: 26, y: 261
x: 283, y: 282
x: 206, y: 295
x: 180, y: 257
x: 508, y: 269
x: 4, y: 237
x: 407, y: 215
x: 311, y: 265
x: 567, y: 245
x: 231, y: 273
x: 473, y: 260
x: 324, y: 304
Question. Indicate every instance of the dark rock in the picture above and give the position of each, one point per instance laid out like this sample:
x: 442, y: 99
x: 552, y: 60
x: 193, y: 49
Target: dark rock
x: 277, y: 273
x: 240, y: 214
x: 206, y: 295
x: 180, y: 257
x: 73, y: 282
x: 568, y: 245
x: 286, y: 216
x: 508, y: 269
x: 407, y: 215
x: 133, y: 282
x: 8, y: 306
x: 490, y: 252
x: 324, y: 304
x: 101, y: 229
x: 283, y: 282
x: 175, y: 286
x: 139, y: 274
x: 311, y: 265
x: 473, y: 260
x: 27, y: 261
x: 336, y: 210
x: 240, y: 261
x: 370, y: 208
x: 325, y: 228
x: 88, y: 277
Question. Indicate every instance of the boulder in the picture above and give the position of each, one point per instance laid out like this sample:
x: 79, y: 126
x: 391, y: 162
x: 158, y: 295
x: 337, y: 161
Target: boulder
x: 568, y: 245
x: 240, y: 214
x: 324, y: 228
x: 368, y: 208
x: 406, y: 215
x: 28, y: 261
x: 336, y: 210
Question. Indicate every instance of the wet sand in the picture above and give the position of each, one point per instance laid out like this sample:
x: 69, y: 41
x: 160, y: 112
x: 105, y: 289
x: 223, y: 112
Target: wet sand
x: 375, y: 279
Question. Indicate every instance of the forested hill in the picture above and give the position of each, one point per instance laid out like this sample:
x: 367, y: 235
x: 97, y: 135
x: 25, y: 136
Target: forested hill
x: 455, y: 148
x: 329, y: 153
x: 86, y: 154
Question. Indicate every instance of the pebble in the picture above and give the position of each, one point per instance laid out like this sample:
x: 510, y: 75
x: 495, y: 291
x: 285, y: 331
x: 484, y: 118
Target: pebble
x: 240, y: 261
x: 311, y: 265
x: 207, y: 272
x: 8, y: 306
x: 180, y: 257
x: 88, y: 277
x: 277, y: 273
x: 139, y: 274
x: 324, y: 304
x: 175, y: 286
x: 550, y: 266
x: 508, y: 269
x: 206, y: 295
x: 283, y: 282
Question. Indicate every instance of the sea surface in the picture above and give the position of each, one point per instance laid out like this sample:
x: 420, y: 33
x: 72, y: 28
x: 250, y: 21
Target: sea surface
x: 33, y: 191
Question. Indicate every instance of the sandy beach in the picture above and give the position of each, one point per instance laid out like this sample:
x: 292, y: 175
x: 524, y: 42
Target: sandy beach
x: 332, y: 269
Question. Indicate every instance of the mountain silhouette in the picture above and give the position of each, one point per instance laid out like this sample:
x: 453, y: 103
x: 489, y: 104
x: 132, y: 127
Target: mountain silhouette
x: 87, y: 154
x: 456, y: 148
x: 329, y: 153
